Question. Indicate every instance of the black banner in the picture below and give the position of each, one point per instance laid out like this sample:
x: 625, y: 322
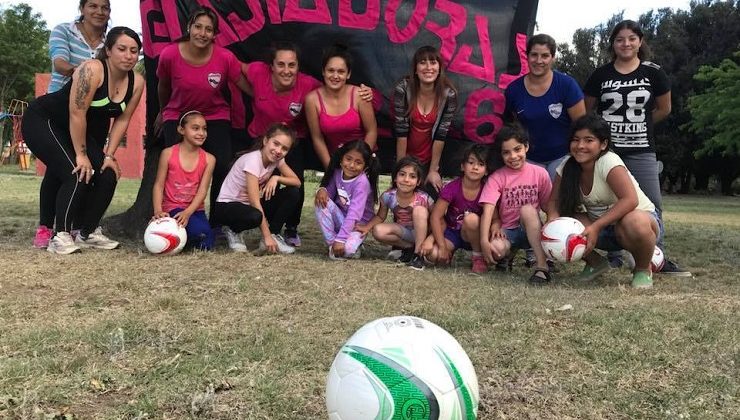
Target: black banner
x: 481, y: 41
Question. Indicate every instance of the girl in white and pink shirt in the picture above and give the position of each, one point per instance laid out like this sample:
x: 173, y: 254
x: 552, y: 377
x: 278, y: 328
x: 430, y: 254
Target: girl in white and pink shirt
x: 251, y: 195
x: 516, y: 191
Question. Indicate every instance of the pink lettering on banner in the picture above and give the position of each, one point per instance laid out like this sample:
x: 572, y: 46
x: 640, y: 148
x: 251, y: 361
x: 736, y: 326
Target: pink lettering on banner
x: 367, y: 21
x: 273, y: 11
x: 473, y: 119
x: 226, y: 35
x: 249, y: 27
x: 521, y: 47
x: 293, y: 12
x: 397, y: 35
x: 160, y: 25
x: 447, y: 34
x: 461, y: 61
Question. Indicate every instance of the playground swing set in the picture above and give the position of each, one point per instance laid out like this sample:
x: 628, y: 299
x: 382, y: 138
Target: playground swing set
x: 14, y: 149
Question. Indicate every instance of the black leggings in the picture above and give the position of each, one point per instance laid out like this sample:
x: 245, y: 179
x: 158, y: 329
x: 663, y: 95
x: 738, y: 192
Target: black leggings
x: 74, y: 199
x: 240, y: 217
x: 218, y: 143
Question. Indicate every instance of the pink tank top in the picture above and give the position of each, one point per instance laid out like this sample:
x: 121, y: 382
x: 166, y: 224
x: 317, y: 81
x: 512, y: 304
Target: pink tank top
x: 180, y: 186
x: 340, y: 129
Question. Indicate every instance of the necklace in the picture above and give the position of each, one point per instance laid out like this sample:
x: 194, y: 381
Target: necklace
x: 90, y: 40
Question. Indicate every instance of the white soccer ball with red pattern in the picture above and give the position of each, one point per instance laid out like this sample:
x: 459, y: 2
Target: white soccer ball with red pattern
x: 658, y: 260
x: 562, y: 241
x: 165, y: 236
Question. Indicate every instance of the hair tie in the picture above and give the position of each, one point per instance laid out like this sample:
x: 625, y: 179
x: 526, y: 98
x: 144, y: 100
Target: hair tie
x: 186, y: 114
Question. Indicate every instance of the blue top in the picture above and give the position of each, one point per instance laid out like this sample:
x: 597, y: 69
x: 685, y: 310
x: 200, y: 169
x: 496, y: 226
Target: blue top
x: 545, y: 117
x: 67, y: 42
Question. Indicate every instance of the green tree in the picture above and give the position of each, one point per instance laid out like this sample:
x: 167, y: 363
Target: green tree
x: 23, y: 47
x: 715, y: 117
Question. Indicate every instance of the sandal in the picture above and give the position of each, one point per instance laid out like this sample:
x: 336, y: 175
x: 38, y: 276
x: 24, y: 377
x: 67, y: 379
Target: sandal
x: 538, y: 280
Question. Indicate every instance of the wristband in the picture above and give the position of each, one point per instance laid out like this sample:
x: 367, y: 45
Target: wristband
x: 111, y: 157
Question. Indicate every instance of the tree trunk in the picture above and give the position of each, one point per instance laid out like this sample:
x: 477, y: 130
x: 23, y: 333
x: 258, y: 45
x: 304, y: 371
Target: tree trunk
x: 132, y: 222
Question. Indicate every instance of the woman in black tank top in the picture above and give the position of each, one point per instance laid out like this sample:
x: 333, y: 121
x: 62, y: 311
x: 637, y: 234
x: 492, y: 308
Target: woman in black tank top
x: 67, y: 131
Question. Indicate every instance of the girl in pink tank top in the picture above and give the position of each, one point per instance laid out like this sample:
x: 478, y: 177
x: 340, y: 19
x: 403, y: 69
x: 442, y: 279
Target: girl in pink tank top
x: 334, y: 115
x: 183, y: 177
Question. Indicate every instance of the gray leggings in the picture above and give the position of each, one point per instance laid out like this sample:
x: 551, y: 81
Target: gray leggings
x: 644, y: 167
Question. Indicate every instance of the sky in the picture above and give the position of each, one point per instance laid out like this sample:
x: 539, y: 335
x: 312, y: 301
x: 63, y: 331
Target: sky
x: 558, y: 18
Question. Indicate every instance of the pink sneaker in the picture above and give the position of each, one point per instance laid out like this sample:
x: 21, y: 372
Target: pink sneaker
x: 43, y: 236
x: 479, y: 264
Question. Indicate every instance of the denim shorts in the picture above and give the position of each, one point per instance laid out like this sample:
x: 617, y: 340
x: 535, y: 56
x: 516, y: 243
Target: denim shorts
x: 517, y: 237
x: 607, y: 240
x: 455, y: 236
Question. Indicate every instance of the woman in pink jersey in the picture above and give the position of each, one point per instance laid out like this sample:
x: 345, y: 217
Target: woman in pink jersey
x: 334, y: 112
x: 194, y: 74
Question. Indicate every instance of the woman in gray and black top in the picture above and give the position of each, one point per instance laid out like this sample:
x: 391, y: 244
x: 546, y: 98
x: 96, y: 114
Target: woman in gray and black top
x: 67, y: 129
x: 424, y: 103
x: 632, y: 94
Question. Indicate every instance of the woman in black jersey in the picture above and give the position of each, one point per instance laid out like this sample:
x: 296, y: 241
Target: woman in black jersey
x: 67, y: 131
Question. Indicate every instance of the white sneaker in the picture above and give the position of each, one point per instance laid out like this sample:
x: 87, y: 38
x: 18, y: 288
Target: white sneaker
x: 394, y: 254
x: 96, y: 240
x: 283, y: 248
x: 236, y: 243
x: 334, y: 257
x: 62, y: 244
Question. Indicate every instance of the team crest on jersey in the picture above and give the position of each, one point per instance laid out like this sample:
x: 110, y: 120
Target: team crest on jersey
x: 295, y: 108
x: 214, y: 79
x: 555, y: 110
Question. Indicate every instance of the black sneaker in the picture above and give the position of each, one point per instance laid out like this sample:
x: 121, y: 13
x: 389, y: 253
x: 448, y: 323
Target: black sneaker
x: 417, y: 262
x: 406, y: 255
x: 672, y: 269
x: 506, y: 264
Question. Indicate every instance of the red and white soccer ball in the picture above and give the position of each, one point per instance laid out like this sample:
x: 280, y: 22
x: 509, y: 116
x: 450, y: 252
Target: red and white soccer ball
x: 165, y: 236
x: 658, y: 260
x: 561, y: 239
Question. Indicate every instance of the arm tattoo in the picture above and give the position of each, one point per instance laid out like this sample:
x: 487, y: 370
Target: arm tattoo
x: 83, y: 150
x: 83, y: 87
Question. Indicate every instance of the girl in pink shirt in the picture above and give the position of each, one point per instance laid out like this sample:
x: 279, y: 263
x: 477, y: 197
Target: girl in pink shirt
x: 183, y: 176
x: 194, y: 74
x: 334, y: 112
x: 518, y: 190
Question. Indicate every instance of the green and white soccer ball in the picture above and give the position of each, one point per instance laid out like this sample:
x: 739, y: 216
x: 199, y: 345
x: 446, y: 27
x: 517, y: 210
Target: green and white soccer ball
x: 401, y: 368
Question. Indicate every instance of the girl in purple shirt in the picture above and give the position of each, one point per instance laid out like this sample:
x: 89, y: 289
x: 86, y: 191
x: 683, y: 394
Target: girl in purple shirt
x: 455, y: 217
x: 347, y: 198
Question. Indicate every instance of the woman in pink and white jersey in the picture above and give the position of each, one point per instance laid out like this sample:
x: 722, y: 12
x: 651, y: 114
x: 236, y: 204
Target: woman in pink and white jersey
x: 194, y: 73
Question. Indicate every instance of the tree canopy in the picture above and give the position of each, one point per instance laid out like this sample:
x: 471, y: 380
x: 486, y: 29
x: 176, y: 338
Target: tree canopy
x: 24, y: 41
x: 715, y: 113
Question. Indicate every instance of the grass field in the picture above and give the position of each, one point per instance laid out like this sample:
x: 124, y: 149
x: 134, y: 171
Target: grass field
x: 122, y: 334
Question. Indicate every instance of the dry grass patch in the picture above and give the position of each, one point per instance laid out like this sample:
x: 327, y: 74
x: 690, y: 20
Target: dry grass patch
x: 124, y: 334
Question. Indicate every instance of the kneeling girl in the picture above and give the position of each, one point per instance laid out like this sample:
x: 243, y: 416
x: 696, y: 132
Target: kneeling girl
x: 251, y: 195
x: 618, y: 214
x: 183, y: 177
